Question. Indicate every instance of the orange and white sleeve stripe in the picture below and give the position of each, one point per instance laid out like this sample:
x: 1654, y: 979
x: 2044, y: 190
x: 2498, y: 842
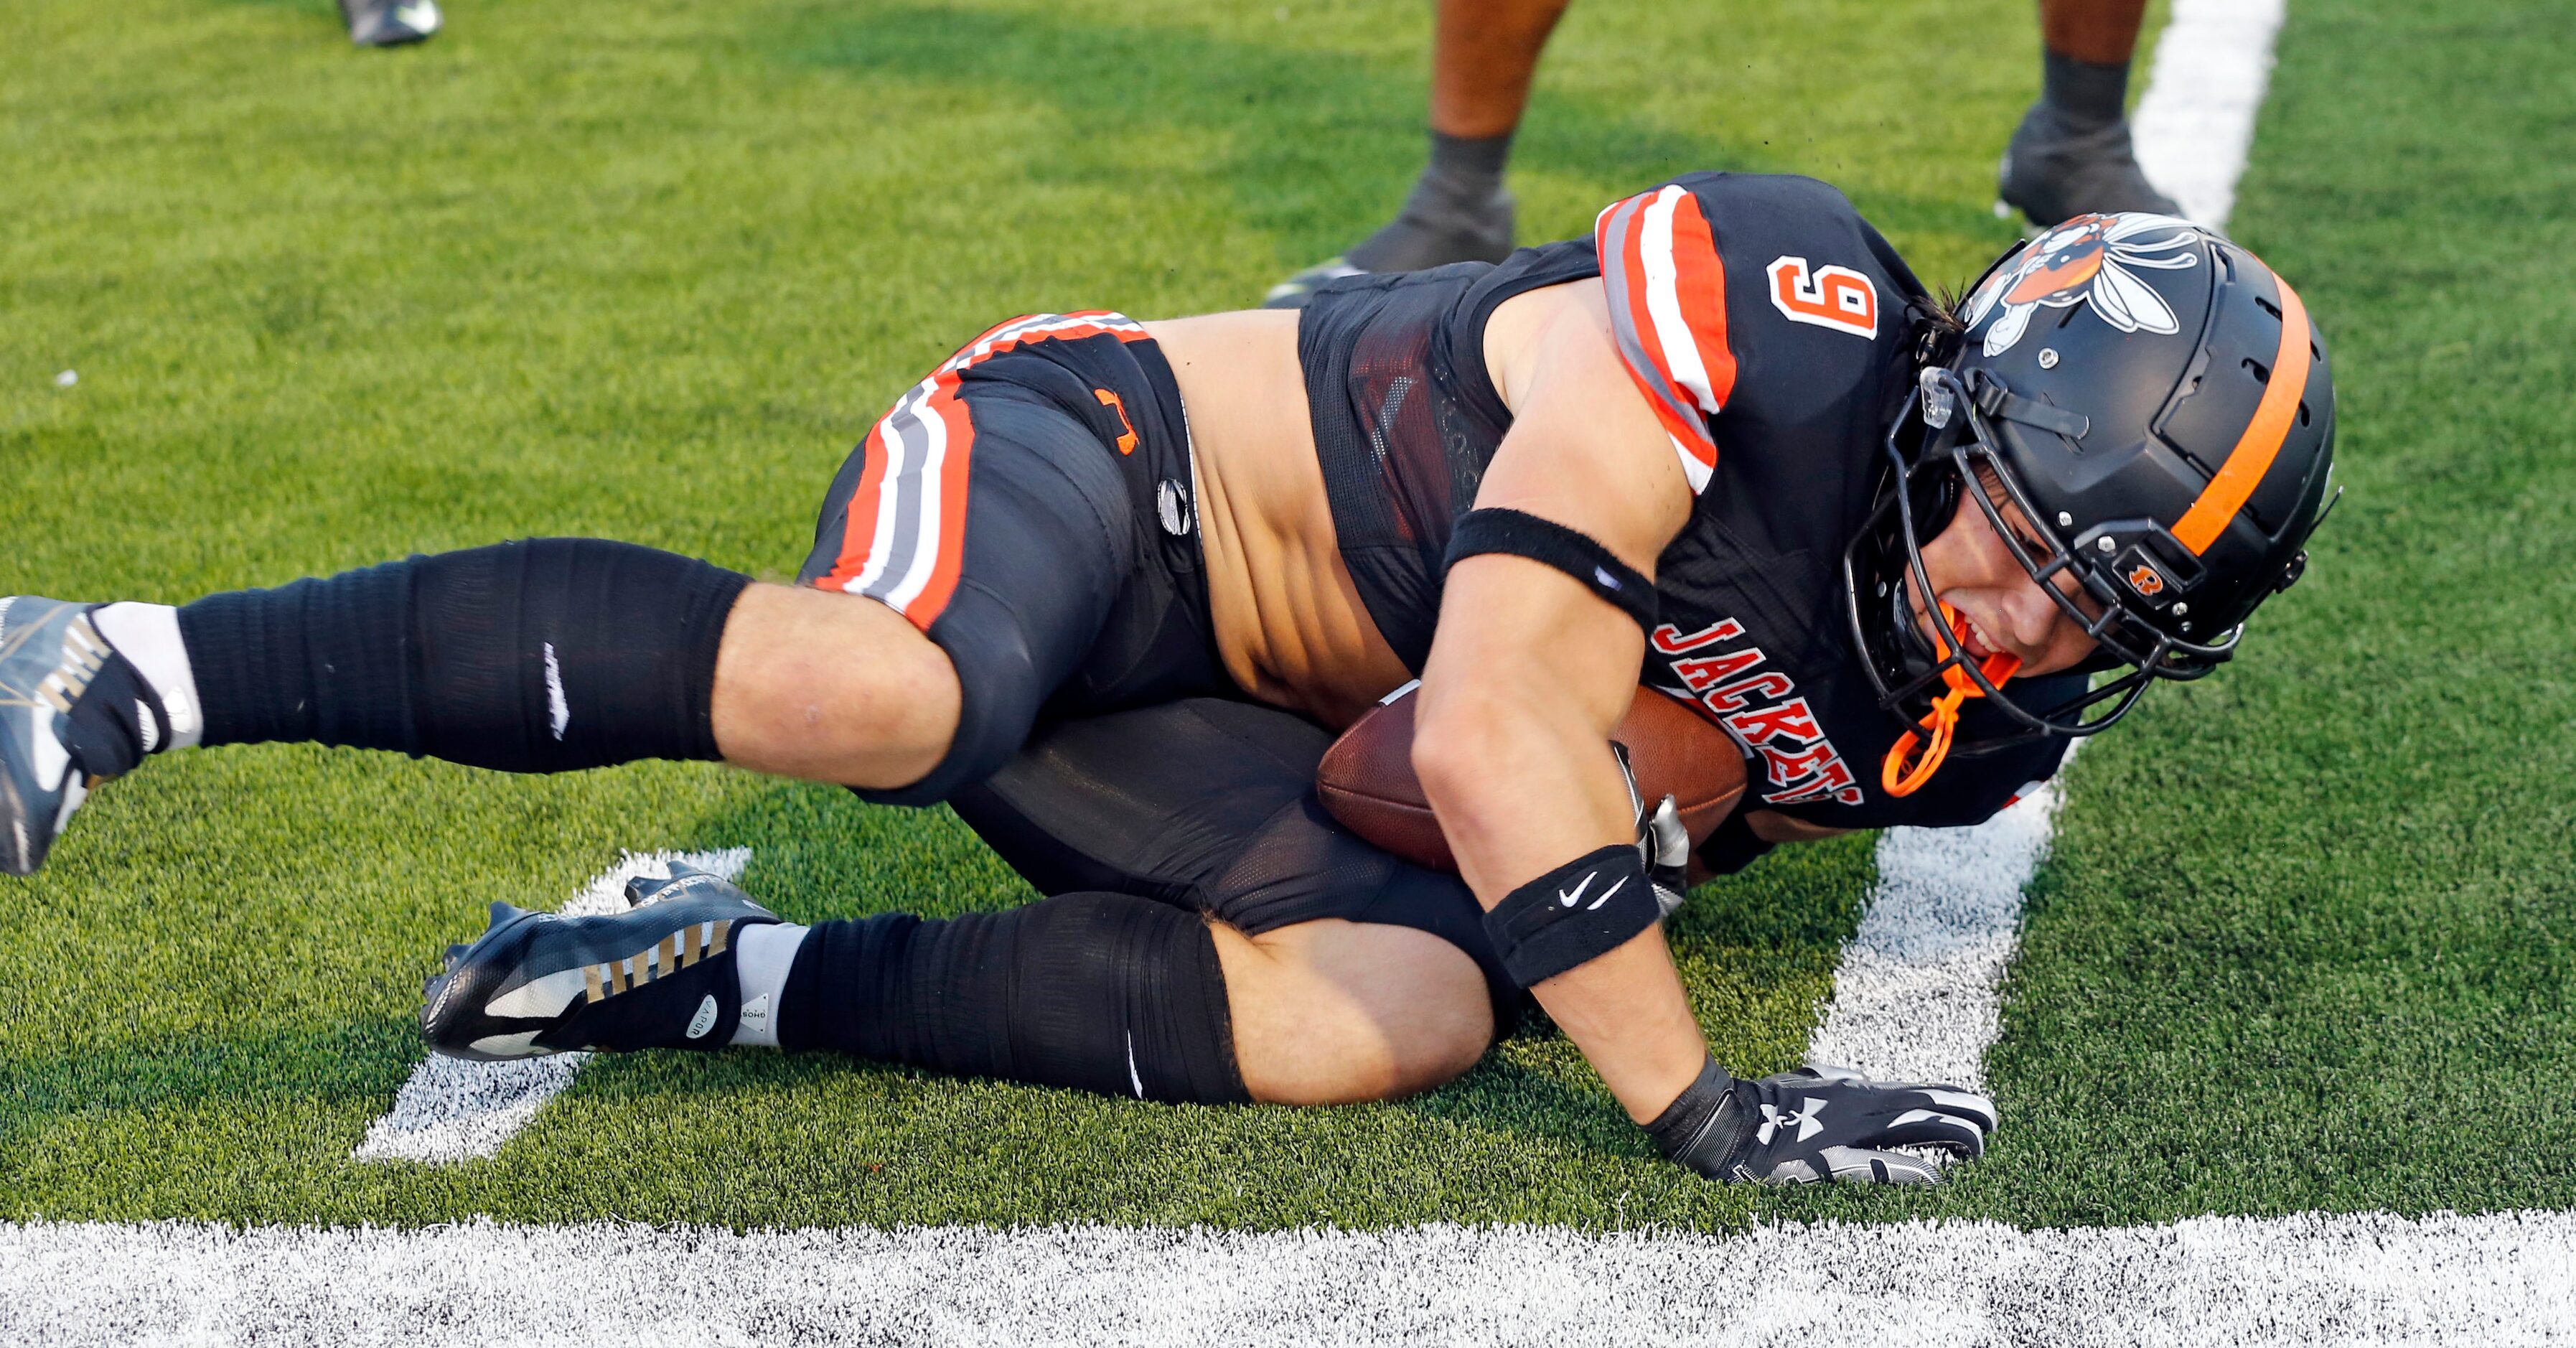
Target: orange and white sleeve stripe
x: 904, y: 538
x: 1668, y: 307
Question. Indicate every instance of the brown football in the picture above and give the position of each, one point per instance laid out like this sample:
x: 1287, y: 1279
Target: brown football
x: 1367, y: 781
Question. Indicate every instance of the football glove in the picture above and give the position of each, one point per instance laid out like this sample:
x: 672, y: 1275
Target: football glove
x: 1819, y: 1123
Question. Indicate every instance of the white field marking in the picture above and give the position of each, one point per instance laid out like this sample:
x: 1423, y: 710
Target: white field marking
x: 1915, y: 996
x: 453, y: 1110
x: 2496, y: 1278
x: 2195, y: 122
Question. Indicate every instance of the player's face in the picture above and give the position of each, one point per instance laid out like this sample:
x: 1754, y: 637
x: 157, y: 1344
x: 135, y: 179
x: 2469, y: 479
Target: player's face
x: 2001, y: 609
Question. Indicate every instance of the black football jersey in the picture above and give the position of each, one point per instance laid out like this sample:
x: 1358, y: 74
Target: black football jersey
x: 1772, y: 331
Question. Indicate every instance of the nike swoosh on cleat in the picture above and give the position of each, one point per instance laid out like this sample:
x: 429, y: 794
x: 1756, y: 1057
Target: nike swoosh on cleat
x: 539, y: 998
x: 420, y: 18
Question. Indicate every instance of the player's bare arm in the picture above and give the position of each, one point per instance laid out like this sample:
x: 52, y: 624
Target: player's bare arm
x: 1530, y: 670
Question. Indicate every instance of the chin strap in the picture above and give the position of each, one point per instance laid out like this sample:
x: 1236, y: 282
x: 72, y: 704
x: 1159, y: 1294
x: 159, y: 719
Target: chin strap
x: 1895, y: 774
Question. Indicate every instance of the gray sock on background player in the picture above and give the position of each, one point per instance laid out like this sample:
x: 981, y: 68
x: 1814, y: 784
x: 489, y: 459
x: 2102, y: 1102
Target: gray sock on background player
x: 2071, y: 154
x: 1457, y: 211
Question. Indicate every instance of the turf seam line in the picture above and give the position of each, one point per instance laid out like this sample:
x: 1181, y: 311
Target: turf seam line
x: 453, y: 1110
x: 2195, y: 123
x: 2311, y: 1278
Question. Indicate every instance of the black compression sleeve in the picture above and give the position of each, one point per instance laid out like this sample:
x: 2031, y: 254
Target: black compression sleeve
x: 1101, y: 992
x: 536, y: 656
x: 1522, y: 534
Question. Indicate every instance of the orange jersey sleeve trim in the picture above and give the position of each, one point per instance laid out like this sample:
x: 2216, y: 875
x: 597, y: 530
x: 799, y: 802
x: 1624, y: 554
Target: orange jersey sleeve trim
x: 1667, y: 293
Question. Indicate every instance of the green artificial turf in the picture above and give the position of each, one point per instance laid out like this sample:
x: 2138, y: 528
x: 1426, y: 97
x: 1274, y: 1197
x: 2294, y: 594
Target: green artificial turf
x: 646, y: 270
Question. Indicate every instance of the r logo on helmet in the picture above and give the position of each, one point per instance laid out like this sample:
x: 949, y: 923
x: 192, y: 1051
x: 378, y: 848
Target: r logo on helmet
x: 2143, y: 579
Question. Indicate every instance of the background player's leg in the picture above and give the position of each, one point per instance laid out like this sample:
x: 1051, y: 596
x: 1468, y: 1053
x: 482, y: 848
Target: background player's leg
x: 1484, y: 58
x: 2071, y: 153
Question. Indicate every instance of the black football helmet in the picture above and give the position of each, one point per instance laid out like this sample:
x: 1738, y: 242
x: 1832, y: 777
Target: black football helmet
x: 2157, y: 405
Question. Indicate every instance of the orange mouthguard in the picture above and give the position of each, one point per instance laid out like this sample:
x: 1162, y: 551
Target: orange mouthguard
x: 1895, y: 774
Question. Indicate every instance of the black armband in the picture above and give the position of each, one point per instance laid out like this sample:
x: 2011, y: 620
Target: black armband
x: 1732, y: 845
x: 1525, y: 535
x: 1576, y: 913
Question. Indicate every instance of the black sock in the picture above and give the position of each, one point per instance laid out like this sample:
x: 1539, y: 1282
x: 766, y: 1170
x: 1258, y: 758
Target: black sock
x: 1457, y: 210
x: 1102, y: 992
x: 536, y: 656
x: 2085, y: 96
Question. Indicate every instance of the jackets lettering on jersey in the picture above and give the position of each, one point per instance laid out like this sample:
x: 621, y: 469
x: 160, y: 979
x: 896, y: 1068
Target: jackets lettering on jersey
x: 1760, y: 709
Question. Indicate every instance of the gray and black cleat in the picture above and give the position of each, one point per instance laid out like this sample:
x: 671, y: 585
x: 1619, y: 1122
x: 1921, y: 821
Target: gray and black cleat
x: 1430, y: 232
x: 390, y: 23
x: 58, y: 734
x: 2052, y: 171
x: 659, y: 975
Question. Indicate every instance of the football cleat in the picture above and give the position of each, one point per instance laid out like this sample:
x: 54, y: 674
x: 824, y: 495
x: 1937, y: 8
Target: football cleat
x: 390, y: 23
x: 659, y: 975
x: 2053, y: 172
x: 49, y: 655
x: 1821, y: 1123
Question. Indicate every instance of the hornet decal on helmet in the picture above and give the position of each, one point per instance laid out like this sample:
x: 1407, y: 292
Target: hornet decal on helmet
x: 2087, y: 260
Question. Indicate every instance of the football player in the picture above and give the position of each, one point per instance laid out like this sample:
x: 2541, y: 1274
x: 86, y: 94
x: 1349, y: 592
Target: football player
x: 1104, y: 585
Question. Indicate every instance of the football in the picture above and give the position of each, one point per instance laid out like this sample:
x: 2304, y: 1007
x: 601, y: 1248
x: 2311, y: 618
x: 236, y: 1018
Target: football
x: 1367, y: 781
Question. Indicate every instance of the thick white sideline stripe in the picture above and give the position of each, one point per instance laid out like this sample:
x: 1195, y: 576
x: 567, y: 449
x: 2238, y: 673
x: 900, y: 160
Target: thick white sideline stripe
x: 1916, y: 996
x: 2195, y: 122
x: 453, y: 1110
x: 2308, y: 1279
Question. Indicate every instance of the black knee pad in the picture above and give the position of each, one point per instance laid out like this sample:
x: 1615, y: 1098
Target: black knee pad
x: 541, y: 655
x: 1101, y: 992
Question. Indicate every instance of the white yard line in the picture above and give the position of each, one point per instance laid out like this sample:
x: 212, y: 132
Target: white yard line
x: 1916, y: 996
x: 2195, y: 122
x: 453, y: 1110
x: 2497, y: 1278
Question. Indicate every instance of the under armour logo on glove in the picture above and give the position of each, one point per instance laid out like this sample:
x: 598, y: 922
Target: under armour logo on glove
x: 1803, y: 1120
x: 1818, y: 1124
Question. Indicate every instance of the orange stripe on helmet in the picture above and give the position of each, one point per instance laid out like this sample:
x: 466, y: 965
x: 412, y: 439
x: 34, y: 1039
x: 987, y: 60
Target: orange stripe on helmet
x: 2236, y: 479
